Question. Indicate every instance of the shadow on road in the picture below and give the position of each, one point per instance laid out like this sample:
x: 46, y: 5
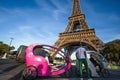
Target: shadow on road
x: 17, y: 76
x: 10, y: 68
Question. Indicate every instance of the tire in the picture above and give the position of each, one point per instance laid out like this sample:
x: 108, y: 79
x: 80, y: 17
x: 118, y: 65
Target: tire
x: 105, y: 73
x: 30, y: 73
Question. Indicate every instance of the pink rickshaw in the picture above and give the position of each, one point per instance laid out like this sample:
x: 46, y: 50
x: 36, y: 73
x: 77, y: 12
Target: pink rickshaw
x: 44, y: 60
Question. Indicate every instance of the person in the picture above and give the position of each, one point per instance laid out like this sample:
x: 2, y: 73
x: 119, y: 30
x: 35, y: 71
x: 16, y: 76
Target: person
x: 95, y: 63
x: 82, y: 59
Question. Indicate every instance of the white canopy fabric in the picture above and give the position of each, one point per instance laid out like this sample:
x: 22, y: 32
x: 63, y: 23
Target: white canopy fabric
x: 90, y: 66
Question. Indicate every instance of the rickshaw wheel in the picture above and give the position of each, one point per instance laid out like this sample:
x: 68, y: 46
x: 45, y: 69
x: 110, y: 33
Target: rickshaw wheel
x: 30, y: 73
x: 105, y: 72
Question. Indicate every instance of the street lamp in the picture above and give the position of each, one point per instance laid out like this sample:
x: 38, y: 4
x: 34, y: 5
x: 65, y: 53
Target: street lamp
x: 10, y: 43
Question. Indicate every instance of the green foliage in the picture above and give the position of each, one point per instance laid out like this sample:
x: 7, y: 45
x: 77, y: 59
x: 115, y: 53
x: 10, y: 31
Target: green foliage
x: 112, y: 50
x: 5, y: 48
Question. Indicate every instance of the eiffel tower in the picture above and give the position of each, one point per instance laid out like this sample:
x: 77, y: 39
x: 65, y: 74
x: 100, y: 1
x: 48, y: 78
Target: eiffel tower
x: 78, y: 31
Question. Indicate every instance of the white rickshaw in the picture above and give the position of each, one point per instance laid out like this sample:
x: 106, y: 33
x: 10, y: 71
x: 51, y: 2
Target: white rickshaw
x: 93, y: 70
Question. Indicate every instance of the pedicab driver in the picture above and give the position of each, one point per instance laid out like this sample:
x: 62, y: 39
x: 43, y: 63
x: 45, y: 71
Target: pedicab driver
x: 82, y: 59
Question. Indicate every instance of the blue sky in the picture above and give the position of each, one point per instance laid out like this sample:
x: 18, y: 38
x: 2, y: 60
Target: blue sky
x: 41, y: 21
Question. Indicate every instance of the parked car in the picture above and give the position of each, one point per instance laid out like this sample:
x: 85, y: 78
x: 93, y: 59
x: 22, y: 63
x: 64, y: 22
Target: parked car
x: 20, y: 55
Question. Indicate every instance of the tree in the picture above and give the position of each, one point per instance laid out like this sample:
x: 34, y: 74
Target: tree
x: 112, y: 50
x: 5, y: 48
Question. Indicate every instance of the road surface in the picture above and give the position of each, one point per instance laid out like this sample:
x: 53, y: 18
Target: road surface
x: 11, y: 70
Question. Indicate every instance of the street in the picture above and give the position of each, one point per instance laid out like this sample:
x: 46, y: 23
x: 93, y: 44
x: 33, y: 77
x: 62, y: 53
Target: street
x: 11, y: 70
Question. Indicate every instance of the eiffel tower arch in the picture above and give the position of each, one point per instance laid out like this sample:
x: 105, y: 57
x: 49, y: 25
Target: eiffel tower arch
x: 78, y: 31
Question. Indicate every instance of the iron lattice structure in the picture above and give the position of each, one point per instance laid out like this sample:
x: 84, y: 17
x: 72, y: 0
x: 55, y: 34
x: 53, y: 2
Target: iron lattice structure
x: 78, y: 31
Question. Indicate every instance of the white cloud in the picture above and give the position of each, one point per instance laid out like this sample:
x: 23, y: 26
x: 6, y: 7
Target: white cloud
x: 25, y: 28
x: 57, y: 10
x: 26, y: 35
x: 33, y: 30
x: 42, y: 25
x: 60, y: 10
